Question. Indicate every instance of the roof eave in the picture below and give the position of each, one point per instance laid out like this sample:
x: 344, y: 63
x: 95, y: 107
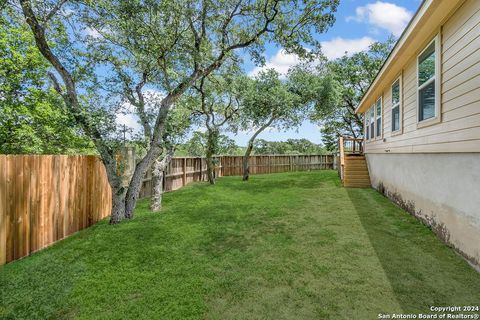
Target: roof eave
x: 414, y: 25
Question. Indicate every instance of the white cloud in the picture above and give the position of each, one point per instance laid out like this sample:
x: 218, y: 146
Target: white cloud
x: 332, y: 49
x: 129, y: 119
x: 67, y: 12
x: 92, y: 33
x: 281, y: 62
x: 337, y: 47
x: 383, y: 15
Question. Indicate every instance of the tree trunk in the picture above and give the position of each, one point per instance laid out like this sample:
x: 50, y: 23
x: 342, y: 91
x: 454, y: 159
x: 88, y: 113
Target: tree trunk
x: 211, y: 143
x: 157, y: 190
x: 137, y: 179
x: 118, y: 205
x: 210, y: 168
x: 157, y: 178
x: 246, y: 165
x: 118, y: 190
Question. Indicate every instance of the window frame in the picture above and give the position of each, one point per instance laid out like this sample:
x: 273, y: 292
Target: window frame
x: 372, y: 122
x: 437, y: 78
x: 399, y: 104
x: 376, y: 117
x: 366, y: 124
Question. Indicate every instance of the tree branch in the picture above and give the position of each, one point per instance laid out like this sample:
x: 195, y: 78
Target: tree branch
x: 265, y: 126
x: 56, y: 84
x: 54, y: 11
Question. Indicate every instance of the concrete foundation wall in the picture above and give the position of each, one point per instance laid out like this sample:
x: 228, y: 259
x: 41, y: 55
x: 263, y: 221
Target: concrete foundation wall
x: 443, y: 190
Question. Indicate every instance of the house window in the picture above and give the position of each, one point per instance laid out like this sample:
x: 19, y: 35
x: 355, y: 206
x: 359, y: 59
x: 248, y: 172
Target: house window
x: 428, y: 82
x: 378, y: 116
x: 372, y: 122
x: 367, y: 121
x: 396, y: 106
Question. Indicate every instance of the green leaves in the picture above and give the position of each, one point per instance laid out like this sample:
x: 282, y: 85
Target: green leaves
x: 178, y: 42
x: 196, y: 145
x: 32, y: 117
x: 268, y: 97
x: 340, y: 86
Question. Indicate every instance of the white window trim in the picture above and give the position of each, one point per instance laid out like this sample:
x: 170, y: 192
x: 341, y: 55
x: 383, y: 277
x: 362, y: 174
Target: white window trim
x: 400, y: 106
x: 372, y: 120
x: 438, y: 71
x: 378, y: 116
x: 368, y: 121
x: 366, y: 125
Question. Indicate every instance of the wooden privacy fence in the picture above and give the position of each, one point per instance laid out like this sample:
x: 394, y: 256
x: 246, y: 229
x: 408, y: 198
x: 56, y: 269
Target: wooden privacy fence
x: 261, y: 164
x: 45, y: 198
x: 182, y: 171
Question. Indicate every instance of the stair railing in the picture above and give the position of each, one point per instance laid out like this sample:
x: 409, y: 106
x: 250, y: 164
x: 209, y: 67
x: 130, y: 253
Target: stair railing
x: 342, y: 157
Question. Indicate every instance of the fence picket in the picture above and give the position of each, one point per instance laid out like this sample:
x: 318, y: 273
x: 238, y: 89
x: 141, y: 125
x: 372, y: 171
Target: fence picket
x: 46, y: 198
x: 3, y: 209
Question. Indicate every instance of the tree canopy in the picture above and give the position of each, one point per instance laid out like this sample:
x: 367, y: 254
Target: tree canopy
x: 166, y: 44
x: 196, y: 146
x: 268, y: 100
x: 348, y: 79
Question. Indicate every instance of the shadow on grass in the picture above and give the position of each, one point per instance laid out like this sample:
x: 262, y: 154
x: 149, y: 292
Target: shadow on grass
x: 422, y: 270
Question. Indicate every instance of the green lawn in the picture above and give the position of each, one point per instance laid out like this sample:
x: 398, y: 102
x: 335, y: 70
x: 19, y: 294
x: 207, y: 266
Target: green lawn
x: 282, y: 246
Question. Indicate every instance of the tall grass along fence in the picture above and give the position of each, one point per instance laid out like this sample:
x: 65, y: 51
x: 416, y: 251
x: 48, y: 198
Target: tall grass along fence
x: 182, y: 171
x: 45, y: 198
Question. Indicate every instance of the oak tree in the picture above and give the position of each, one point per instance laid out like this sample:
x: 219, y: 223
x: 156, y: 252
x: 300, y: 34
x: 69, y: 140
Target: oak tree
x: 183, y: 41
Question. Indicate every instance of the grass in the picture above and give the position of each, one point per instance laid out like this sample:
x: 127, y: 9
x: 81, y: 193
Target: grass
x: 282, y: 246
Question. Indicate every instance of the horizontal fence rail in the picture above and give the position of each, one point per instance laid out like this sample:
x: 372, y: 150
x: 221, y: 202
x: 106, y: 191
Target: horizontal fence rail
x: 46, y: 198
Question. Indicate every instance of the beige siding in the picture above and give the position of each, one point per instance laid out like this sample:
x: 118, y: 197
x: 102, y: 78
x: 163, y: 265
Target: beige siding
x: 459, y: 128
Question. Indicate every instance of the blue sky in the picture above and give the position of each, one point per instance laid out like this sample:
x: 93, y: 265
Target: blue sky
x: 358, y: 24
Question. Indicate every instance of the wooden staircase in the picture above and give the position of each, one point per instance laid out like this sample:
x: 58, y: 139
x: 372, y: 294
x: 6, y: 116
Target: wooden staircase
x: 356, y: 172
x: 353, y: 168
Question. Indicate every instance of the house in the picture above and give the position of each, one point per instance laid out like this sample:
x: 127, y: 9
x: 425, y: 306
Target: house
x: 422, y: 122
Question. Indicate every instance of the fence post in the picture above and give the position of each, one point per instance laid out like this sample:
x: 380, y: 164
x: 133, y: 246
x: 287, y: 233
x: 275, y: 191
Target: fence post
x: 222, y: 160
x: 201, y: 174
x: 184, y: 177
